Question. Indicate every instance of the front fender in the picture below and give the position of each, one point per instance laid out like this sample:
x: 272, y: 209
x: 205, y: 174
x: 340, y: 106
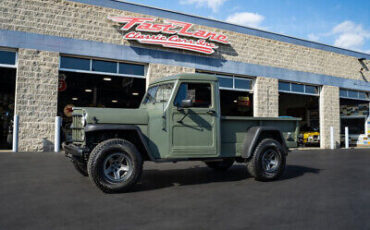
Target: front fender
x: 112, y: 127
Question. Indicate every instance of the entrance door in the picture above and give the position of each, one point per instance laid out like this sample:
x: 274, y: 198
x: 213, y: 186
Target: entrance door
x: 7, y: 91
x: 194, y: 129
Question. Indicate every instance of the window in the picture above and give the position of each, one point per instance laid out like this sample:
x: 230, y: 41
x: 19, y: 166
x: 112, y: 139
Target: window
x: 289, y: 87
x: 343, y: 93
x: 87, y: 65
x: 7, y: 58
x: 158, y: 93
x: 199, y: 93
x: 353, y: 94
x: 236, y: 103
x: 297, y: 88
x: 362, y: 95
x: 104, y: 66
x: 232, y: 82
x: 74, y: 63
x: 241, y: 83
x: 131, y: 69
x: 311, y: 89
x: 236, y: 96
x: 285, y: 86
x: 225, y: 82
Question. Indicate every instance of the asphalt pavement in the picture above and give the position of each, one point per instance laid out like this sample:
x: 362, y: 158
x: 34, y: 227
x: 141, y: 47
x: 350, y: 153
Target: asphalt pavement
x: 321, y: 189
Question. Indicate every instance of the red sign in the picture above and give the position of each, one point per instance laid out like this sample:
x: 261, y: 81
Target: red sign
x: 168, y: 34
x: 62, y: 86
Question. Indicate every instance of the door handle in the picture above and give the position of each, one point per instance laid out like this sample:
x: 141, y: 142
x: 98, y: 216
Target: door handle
x: 211, y: 111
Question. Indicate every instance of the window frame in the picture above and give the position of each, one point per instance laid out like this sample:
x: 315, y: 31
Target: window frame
x: 295, y: 92
x: 233, y: 77
x: 15, y: 58
x: 144, y: 100
x: 354, y: 98
x: 117, y: 63
x: 176, y: 91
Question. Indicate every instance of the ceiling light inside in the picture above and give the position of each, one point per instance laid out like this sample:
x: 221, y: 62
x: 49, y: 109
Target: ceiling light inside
x: 107, y: 79
x: 74, y: 98
x: 135, y: 94
x: 114, y: 101
x: 88, y: 90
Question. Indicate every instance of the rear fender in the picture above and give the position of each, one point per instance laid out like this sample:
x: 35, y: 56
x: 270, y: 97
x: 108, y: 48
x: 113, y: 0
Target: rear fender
x: 256, y: 134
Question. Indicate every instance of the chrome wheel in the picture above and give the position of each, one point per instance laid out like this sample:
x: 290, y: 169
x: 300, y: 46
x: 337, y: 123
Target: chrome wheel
x: 270, y: 161
x: 117, y: 167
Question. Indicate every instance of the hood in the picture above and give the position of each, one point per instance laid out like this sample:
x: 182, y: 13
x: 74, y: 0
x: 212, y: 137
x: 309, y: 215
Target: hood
x: 113, y: 116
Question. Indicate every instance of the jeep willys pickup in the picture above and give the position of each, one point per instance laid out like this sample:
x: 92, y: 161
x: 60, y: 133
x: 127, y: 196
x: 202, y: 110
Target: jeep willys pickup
x: 179, y: 119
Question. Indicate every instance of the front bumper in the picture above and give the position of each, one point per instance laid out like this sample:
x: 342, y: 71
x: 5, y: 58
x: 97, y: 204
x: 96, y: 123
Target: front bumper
x: 73, y: 150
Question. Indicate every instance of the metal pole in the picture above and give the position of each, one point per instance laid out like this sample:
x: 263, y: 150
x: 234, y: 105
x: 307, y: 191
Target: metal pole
x: 57, y: 134
x: 331, y: 137
x: 15, y: 133
x: 346, y: 137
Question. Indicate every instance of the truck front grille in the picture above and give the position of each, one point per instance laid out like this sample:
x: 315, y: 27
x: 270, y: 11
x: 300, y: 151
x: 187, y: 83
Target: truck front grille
x: 78, y: 132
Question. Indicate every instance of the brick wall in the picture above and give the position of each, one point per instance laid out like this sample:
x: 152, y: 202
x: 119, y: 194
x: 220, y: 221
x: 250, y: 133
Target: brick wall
x: 158, y: 71
x: 329, y: 115
x: 37, y: 73
x: 88, y: 22
x: 36, y: 98
x: 266, y: 97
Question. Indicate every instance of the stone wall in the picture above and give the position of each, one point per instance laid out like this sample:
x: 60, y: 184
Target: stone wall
x: 329, y: 115
x: 37, y: 72
x: 36, y: 99
x: 266, y: 97
x: 88, y: 22
x: 157, y: 71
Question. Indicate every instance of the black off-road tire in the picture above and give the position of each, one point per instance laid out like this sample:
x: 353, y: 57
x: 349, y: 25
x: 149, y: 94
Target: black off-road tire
x: 104, y: 150
x: 81, y: 167
x: 223, y: 165
x: 255, y: 166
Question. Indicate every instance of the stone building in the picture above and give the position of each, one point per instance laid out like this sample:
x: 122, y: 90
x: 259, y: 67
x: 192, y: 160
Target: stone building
x: 55, y: 54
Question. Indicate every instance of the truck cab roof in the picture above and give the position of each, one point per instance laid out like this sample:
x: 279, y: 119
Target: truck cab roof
x: 187, y: 76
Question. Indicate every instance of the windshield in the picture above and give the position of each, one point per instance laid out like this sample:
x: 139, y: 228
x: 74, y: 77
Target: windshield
x: 158, y: 93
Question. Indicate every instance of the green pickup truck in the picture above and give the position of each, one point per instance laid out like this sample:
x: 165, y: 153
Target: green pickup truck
x: 179, y: 119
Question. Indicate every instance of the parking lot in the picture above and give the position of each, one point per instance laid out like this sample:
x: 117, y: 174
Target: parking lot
x: 321, y: 189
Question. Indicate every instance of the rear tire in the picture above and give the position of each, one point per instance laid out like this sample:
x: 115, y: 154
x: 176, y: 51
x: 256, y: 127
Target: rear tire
x: 80, y: 166
x: 115, y: 165
x: 268, y: 161
x: 223, y: 165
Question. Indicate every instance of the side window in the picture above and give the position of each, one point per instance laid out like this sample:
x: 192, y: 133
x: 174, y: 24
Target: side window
x: 199, y: 93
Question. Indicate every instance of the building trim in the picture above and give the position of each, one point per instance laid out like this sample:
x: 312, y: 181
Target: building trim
x: 163, y: 13
x: 69, y: 46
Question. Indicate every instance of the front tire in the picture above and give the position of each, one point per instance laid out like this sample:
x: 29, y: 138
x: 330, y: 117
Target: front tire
x: 115, y: 165
x: 268, y: 161
x: 223, y: 165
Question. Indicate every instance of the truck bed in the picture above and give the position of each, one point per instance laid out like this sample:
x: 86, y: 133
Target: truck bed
x: 234, y: 129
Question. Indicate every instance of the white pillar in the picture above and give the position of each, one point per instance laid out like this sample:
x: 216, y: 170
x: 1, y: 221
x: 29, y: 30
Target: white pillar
x: 346, y: 137
x: 15, y: 133
x: 331, y: 137
x: 57, y: 134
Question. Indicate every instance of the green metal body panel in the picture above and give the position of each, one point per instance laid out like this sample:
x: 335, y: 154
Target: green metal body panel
x: 234, y: 129
x: 116, y: 116
x: 173, y: 133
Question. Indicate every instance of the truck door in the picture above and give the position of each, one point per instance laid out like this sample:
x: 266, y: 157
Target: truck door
x: 195, y: 121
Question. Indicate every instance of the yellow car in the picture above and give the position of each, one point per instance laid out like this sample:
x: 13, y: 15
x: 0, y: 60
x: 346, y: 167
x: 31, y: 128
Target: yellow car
x: 309, y: 138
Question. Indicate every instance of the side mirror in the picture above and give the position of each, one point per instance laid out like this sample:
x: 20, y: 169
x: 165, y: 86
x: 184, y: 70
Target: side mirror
x: 186, y: 103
